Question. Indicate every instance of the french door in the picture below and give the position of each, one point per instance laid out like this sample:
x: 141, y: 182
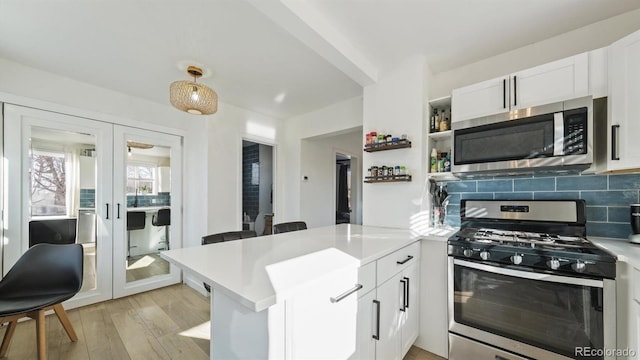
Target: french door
x: 66, y: 181
x: 146, y: 187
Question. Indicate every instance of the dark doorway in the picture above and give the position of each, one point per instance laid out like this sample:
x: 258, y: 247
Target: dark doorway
x: 343, y: 189
x: 257, y: 187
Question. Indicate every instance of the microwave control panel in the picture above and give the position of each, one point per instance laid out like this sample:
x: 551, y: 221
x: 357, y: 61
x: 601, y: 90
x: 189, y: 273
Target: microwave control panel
x: 575, y: 132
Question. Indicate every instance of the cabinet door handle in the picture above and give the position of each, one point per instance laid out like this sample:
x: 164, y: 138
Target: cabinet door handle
x: 615, y: 132
x: 515, y: 91
x: 107, y: 218
x: 405, y: 260
x: 118, y: 216
x: 504, y: 93
x: 404, y: 295
x: 345, y: 294
x: 377, y: 334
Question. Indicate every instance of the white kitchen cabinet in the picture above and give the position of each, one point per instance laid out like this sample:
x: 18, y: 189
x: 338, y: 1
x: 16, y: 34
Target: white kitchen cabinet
x: 552, y: 82
x: 481, y: 99
x: 410, y: 317
x: 366, y: 327
x: 388, y: 316
x: 87, y: 172
x: 397, y: 297
x: 624, y: 107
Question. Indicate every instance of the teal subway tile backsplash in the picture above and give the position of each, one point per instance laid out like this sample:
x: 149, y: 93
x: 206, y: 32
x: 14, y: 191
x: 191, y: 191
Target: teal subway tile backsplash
x: 87, y: 198
x: 495, y: 185
x: 513, y: 195
x: 618, y: 214
x: 611, y: 197
x: 597, y: 213
x: 624, y: 182
x: 537, y: 184
x: 556, y: 195
x: 585, y: 182
x: 607, y: 197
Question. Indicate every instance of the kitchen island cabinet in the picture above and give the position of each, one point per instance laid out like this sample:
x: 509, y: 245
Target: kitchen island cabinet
x: 271, y: 295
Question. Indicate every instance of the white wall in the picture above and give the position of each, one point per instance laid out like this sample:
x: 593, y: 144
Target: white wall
x: 590, y: 37
x: 225, y: 132
x: 395, y: 105
x: 318, y: 163
x: 27, y: 86
x: 335, y: 119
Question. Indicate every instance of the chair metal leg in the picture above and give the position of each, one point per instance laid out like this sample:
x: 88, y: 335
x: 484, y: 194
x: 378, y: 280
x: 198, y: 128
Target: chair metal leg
x: 11, y: 328
x: 41, y: 332
x: 64, y: 320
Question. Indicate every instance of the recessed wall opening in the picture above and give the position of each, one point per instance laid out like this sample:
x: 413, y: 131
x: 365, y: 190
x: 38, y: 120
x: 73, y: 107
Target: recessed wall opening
x: 257, y: 187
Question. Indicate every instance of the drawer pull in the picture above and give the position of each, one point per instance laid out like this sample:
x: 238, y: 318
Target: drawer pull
x: 345, y: 294
x: 404, y: 295
x: 405, y: 260
x: 377, y: 334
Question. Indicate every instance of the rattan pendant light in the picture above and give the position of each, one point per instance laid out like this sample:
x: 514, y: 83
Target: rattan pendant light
x: 192, y: 97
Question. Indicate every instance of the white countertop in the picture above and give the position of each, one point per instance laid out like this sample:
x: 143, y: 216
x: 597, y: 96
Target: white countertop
x: 237, y: 267
x: 621, y: 248
x: 146, y: 208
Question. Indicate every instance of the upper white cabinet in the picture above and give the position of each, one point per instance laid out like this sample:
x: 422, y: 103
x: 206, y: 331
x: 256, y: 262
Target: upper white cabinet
x: 624, y: 107
x: 556, y: 81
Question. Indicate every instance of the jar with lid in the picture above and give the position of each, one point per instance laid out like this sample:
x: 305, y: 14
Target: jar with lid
x: 374, y: 171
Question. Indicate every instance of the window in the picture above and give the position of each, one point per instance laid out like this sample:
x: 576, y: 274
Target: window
x: 141, y: 179
x: 48, y: 183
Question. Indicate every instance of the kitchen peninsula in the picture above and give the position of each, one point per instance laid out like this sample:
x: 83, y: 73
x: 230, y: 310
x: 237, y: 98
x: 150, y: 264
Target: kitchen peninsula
x: 272, y: 294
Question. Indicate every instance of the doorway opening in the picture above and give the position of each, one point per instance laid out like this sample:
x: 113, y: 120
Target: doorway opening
x: 343, y: 189
x: 257, y: 187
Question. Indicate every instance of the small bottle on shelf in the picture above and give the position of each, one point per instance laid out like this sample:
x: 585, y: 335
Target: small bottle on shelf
x: 434, y: 160
x: 436, y: 121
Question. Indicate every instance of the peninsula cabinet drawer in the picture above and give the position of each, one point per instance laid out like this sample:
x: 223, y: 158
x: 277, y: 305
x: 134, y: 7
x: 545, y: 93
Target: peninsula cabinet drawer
x: 397, y: 261
x: 367, y: 278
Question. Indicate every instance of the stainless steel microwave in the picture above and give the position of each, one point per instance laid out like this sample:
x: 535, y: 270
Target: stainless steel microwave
x: 556, y: 137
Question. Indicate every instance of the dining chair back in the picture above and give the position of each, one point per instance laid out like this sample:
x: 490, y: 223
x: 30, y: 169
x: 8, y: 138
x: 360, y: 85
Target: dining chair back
x: 43, y: 277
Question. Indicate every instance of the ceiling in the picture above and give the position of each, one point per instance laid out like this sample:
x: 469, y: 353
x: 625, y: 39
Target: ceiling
x: 253, y: 51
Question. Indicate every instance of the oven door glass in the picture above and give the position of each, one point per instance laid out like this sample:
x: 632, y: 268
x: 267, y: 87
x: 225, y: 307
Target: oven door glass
x: 550, y: 315
x: 510, y: 140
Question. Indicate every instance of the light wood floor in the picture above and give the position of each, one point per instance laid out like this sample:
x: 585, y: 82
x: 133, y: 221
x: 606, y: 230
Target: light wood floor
x: 168, y: 323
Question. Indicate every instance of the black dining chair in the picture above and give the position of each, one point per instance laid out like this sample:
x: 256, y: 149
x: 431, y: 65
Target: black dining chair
x: 136, y: 220
x: 289, y: 226
x: 43, y: 277
x: 226, y: 236
x: 163, y: 218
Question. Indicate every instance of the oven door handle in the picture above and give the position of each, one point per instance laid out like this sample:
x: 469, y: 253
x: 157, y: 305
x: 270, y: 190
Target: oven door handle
x: 530, y: 275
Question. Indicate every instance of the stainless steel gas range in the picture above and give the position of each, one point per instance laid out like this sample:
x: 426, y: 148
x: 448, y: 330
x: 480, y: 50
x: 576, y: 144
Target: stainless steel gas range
x: 525, y: 283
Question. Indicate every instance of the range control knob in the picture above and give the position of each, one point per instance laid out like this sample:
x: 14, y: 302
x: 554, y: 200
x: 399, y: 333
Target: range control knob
x: 467, y: 252
x: 516, y: 259
x: 579, y: 266
x: 484, y: 255
x: 553, y: 264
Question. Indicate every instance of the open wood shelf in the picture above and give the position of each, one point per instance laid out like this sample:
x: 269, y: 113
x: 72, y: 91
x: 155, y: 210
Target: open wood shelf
x: 392, y: 178
x: 401, y: 144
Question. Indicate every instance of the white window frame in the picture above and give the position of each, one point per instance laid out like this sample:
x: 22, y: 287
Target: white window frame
x: 154, y: 179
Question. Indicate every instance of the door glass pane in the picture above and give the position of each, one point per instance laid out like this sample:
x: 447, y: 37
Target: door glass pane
x: 148, y: 192
x: 62, y: 172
